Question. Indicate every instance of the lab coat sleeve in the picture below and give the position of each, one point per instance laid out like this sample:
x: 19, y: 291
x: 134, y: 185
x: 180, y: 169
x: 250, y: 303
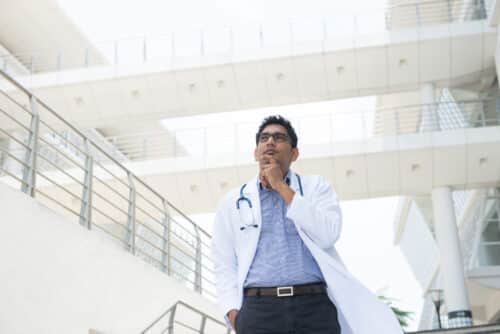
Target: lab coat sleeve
x: 225, y: 264
x: 317, y: 214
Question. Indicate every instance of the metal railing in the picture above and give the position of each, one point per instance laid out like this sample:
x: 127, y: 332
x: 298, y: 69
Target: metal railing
x: 182, y: 316
x: 89, y: 186
x: 485, y: 329
x: 315, y: 130
x: 344, y: 31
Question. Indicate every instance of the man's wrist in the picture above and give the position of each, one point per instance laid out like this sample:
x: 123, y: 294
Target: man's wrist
x: 285, y: 191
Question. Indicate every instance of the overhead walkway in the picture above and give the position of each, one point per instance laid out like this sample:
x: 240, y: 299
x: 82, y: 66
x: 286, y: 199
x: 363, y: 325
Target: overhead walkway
x: 376, y: 52
x: 384, y: 153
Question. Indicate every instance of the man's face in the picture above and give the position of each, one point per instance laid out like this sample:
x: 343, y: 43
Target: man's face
x: 275, y: 144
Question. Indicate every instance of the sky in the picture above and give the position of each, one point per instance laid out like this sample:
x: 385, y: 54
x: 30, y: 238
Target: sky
x: 366, y: 244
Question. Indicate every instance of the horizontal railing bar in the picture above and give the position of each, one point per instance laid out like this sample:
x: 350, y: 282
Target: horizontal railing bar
x: 109, y: 232
x: 13, y: 176
x: 15, y: 120
x: 54, y: 131
x: 58, y: 185
x: 59, y: 151
x: 60, y: 169
x: 109, y: 202
x: 15, y: 139
x: 11, y: 99
x: 14, y: 157
x: 109, y: 217
x: 57, y: 202
x: 98, y: 163
x: 111, y: 188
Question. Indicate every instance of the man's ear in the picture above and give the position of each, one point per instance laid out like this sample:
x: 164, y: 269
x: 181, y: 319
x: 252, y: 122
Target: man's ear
x: 255, y: 154
x: 295, y: 153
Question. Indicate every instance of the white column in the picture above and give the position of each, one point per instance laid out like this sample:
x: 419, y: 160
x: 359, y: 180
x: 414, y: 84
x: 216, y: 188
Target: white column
x: 430, y: 120
x: 452, y: 269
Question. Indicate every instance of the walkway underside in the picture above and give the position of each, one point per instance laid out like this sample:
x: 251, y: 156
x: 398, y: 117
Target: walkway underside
x: 450, y: 55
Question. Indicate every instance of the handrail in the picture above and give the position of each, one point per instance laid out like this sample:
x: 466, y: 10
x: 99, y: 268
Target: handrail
x: 392, y: 17
x: 400, y: 120
x: 73, y: 128
x: 172, y: 311
x: 483, y: 329
x: 123, y: 206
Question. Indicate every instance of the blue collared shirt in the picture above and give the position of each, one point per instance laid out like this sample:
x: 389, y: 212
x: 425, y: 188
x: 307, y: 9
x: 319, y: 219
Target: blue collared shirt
x: 281, y: 258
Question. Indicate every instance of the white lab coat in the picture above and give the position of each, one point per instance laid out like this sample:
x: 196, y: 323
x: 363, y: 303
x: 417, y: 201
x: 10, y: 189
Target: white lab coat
x: 318, y: 220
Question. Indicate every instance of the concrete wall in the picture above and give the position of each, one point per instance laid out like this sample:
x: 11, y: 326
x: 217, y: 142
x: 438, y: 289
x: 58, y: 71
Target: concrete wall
x: 57, y: 277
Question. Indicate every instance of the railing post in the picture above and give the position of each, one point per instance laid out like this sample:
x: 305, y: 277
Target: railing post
x: 86, y: 57
x: 171, y: 320
x: 417, y: 13
x: 86, y: 207
x: 198, y: 261
x: 450, y: 11
x: 59, y: 60
x: 115, y: 45
x: 203, y: 323
x: 131, y: 215
x: 166, y: 255
x: 29, y: 173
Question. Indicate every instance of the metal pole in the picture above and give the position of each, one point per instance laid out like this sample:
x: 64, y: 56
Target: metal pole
x: 116, y: 52
x: 437, y: 305
x: 171, y: 320
x: 86, y: 207
x: 417, y: 12
x: 203, y: 323
x: 131, y: 215
x: 198, y: 260
x: 29, y: 174
x: 59, y: 60
x: 144, y: 50
x: 166, y: 254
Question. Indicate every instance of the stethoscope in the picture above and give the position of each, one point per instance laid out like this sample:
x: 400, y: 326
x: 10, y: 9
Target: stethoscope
x: 243, y: 198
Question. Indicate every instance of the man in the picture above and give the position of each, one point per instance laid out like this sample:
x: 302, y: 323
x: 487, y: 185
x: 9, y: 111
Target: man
x: 276, y: 267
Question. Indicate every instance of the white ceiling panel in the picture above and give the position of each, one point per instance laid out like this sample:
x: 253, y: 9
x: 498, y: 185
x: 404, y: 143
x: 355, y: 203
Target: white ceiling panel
x: 83, y: 104
x: 136, y: 96
x: 483, y: 162
x: 372, y: 68
x: 341, y: 70
x: 434, y: 56
x: 449, y: 166
x: 383, y: 173
x: 489, y: 48
x: 403, y: 64
x: 220, y: 181
x: 350, y: 175
x: 416, y: 171
x: 463, y: 49
x: 251, y: 83
x: 194, y: 190
x: 221, y: 83
x: 311, y: 77
x: 164, y: 93
x: 193, y: 91
x: 281, y: 81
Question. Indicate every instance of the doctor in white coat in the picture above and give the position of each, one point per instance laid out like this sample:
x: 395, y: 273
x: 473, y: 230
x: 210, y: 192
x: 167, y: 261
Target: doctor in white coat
x: 254, y: 293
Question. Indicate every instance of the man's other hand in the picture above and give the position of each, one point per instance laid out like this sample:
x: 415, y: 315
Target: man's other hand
x: 232, y: 317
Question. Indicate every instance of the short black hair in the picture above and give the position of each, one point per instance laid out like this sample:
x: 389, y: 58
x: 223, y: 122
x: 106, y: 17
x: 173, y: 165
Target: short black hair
x: 280, y: 120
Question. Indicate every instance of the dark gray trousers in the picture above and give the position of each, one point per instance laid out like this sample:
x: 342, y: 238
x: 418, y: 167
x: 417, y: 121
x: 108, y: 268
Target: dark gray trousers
x: 309, y: 314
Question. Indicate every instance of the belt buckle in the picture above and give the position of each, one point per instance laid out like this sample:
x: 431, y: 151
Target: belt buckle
x: 288, y: 291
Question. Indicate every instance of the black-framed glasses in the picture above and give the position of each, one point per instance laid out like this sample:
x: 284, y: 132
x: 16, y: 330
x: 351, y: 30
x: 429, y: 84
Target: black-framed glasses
x: 278, y: 137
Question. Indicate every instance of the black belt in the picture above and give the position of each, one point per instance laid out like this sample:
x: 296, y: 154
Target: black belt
x: 288, y: 291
